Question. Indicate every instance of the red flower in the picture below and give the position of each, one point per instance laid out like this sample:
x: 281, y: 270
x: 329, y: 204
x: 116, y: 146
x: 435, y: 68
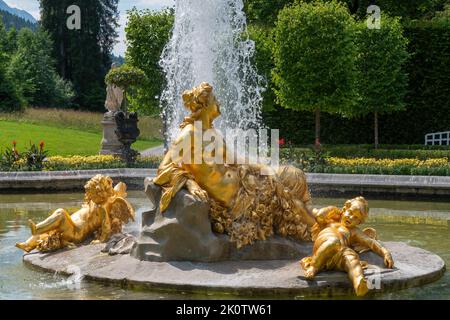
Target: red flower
x: 281, y: 142
x: 42, y: 144
x: 14, y: 143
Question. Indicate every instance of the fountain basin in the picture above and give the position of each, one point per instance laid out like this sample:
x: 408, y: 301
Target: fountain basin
x: 413, y: 267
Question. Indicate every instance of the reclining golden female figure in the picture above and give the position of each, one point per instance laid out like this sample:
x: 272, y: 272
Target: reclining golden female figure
x: 245, y: 204
x: 103, y: 214
x: 337, y: 240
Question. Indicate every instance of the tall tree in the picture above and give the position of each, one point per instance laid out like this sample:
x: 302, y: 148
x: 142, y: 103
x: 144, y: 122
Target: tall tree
x: 147, y: 34
x: 10, y: 99
x: 33, y: 71
x: 383, y: 80
x: 315, y: 59
x: 83, y: 56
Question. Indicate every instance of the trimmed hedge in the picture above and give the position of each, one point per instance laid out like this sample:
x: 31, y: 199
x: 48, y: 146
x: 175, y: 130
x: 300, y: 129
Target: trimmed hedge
x: 427, y: 100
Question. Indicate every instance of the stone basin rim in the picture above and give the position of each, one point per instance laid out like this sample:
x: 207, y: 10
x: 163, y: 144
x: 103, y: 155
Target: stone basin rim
x: 251, y: 278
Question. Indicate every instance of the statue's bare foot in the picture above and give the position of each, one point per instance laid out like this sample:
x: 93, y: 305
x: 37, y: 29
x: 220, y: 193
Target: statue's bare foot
x: 310, y: 272
x: 23, y: 246
x: 32, y: 227
x: 71, y: 245
x: 305, y: 263
x: 361, y: 288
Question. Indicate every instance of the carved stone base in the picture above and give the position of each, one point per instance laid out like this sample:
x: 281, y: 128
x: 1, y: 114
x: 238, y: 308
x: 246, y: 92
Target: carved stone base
x: 110, y: 143
x: 183, y: 233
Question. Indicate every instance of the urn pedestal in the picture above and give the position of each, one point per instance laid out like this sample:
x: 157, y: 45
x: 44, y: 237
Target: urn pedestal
x: 110, y: 142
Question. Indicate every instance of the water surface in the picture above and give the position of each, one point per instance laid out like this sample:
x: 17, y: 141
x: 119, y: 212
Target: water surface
x: 423, y: 224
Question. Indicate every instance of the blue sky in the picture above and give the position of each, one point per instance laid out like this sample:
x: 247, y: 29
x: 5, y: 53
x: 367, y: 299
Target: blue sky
x: 32, y: 6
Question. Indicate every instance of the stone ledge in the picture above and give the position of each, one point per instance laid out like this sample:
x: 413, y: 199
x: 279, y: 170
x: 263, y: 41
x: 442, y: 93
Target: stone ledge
x: 413, y: 267
x: 320, y: 183
x: 51, y: 181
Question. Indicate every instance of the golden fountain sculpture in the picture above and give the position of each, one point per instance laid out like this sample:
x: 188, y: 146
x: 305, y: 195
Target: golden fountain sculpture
x: 249, y: 206
x: 104, y: 212
x: 337, y: 241
x: 245, y: 204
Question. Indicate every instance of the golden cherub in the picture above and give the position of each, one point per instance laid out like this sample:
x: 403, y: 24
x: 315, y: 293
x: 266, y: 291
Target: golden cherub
x: 103, y: 214
x: 336, y: 238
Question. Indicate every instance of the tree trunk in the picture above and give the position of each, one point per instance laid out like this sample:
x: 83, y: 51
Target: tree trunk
x: 376, y: 129
x: 62, y: 53
x: 354, y: 6
x: 317, y: 142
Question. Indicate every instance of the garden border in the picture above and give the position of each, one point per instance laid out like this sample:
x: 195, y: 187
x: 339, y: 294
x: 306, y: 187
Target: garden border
x: 320, y: 183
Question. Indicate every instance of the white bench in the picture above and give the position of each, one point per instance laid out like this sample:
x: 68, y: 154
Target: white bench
x: 438, y: 139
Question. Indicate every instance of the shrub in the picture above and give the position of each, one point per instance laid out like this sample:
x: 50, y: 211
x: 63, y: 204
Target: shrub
x: 33, y: 70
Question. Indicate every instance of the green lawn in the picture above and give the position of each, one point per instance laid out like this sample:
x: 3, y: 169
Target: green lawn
x: 58, y: 141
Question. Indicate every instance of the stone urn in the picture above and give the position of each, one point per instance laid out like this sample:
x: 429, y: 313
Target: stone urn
x: 127, y: 133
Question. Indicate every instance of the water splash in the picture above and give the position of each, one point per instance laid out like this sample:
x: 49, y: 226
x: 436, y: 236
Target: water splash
x: 209, y: 43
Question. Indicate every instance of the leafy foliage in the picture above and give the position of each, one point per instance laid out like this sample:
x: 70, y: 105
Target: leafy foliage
x: 125, y: 76
x: 10, y: 99
x: 382, y: 57
x: 315, y: 57
x: 147, y: 34
x: 263, y: 12
x: 33, y: 70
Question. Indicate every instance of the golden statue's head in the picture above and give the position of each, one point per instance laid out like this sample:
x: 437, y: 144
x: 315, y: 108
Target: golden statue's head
x: 99, y: 189
x: 201, y: 100
x: 294, y: 182
x: 355, y: 212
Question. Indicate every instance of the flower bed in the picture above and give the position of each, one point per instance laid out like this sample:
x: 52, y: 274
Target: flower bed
x: 430, y: 167
x: 86, y: 163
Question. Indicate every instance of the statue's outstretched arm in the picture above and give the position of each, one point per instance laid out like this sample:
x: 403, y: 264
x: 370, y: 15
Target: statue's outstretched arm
x: 374, y: 245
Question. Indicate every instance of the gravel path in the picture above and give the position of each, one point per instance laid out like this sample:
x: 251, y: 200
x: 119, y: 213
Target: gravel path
x: 155, y: 151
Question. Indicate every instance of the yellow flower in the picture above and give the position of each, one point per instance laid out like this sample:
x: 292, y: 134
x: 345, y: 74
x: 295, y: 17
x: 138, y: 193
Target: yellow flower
x: 441, y: 162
